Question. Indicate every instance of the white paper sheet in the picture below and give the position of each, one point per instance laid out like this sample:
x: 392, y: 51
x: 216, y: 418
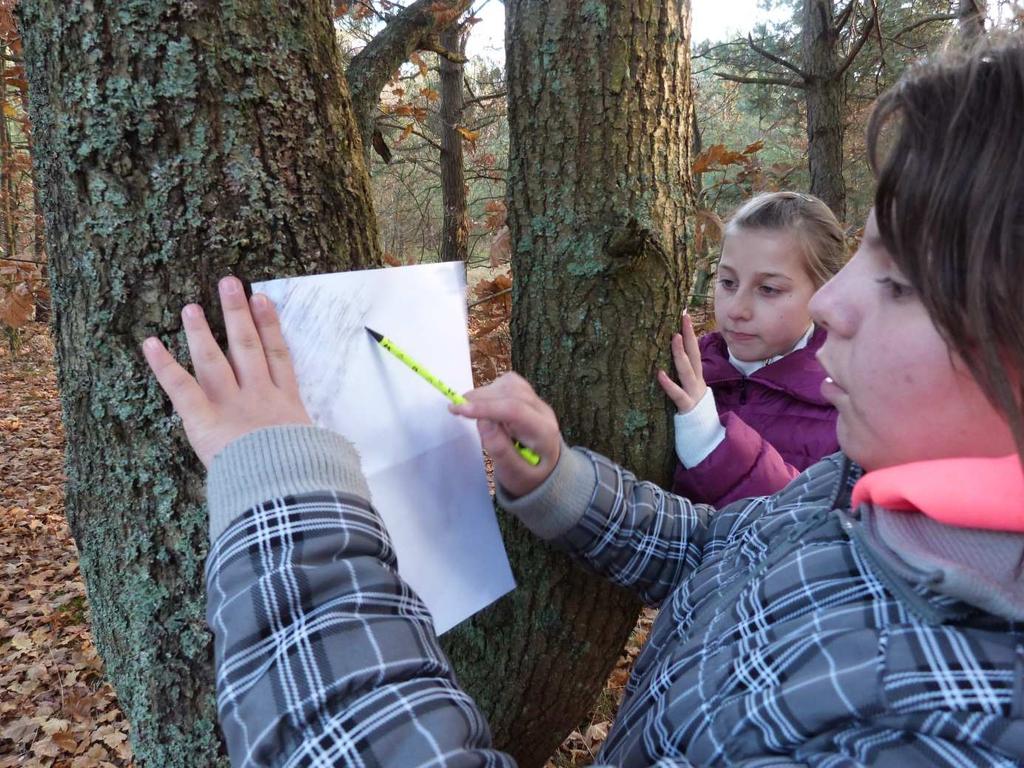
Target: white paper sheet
x: 424, y: 466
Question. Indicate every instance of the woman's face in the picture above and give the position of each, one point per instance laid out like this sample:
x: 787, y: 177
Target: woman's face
x: 901, y: 394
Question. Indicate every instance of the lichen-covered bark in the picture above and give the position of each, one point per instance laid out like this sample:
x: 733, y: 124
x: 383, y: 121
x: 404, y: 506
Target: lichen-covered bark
x: 599, y: 194
x: 175, y: 142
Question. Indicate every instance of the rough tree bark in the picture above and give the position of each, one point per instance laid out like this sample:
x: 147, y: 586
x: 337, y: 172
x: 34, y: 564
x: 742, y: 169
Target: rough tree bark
x: 455, y: 227
x: 825, y: 94
x: 599, y: 193
x: 175, y: 142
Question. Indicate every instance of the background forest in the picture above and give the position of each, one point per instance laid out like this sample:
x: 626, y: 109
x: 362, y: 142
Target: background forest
x: 779, y: 98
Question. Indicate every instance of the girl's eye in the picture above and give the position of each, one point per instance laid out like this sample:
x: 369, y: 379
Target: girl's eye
x: 895, y: 289
x: 768, y: 290
x: 727, y: 283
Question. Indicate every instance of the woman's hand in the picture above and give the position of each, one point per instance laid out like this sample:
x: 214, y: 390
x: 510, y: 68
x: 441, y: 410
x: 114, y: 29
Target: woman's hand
x: 508, y: 410
x: 686, y: 355
x: 253, y: 387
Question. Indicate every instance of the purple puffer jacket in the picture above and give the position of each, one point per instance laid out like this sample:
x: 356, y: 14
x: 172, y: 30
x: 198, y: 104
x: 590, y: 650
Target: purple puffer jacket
x: 776, y: 425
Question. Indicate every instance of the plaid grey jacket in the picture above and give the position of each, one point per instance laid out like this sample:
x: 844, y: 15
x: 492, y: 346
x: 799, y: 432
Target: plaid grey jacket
x: 784, y: 638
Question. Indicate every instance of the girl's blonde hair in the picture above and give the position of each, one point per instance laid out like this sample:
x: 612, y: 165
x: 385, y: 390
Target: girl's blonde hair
x: 815, y: 226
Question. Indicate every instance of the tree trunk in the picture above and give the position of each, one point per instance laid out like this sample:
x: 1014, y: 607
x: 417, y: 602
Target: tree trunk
x: 9, y: 192
x: 825, y: 97
x: 599, y: 191
x: 971, y: 19
x: 175, y: 142
x: 455, y: 229
x: 412, y: 28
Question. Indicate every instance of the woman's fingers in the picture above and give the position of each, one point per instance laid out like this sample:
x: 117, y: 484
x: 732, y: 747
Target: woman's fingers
x: 185, y: 394
x: 692, y: 347
x: 676, y: 394
x: 279, y: 359
x: 245, y: 350
x: 212, y: 369
x: 684, y: 369
x: 523, y: 418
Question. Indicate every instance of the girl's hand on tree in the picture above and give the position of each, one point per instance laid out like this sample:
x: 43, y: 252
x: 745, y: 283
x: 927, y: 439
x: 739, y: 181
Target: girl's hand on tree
x: 686, y: 355
x: 252, y: 387
x: 507, y: 410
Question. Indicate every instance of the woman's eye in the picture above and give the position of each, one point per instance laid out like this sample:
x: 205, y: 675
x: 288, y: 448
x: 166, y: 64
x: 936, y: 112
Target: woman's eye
x: 894, y: 288
x: 768, y: 290
x: 726, y: 283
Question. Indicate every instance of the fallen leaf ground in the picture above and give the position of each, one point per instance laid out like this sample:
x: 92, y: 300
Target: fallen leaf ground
x: 56, y: 710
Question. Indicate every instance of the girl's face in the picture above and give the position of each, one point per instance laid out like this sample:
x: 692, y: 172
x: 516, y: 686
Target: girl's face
x: 901, y: 394
x: 761, y: 293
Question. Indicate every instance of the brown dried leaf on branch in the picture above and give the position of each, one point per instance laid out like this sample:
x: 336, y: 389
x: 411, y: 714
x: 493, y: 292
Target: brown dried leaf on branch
x: 489, y: 339
x: 19, y: 285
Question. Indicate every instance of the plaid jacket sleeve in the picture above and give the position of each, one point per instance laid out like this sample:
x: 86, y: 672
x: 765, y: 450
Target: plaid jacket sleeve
x: 634, y: 533
x: 324, y: 656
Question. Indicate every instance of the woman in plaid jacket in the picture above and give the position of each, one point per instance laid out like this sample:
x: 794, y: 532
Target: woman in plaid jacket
x: 869, y: 614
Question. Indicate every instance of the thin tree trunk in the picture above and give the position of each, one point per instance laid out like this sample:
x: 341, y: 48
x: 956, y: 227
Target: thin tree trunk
x: 825, y: 97
x: 9, y: 191
x: 599, y: 194
x: 170, y: 149
x: 455, y: 228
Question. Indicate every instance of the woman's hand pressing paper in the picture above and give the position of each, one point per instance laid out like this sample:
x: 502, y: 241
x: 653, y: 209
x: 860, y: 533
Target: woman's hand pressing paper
x: 250, y: 388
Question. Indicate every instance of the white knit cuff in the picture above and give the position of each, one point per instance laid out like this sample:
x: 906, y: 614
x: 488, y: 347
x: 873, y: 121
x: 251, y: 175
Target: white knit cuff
x: 699, y: 431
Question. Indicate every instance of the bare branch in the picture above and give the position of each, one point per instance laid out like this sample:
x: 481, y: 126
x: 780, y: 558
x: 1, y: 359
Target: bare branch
x: 864, y: 35
x: 843, y: 17
x: 485, y: 97
x: 762, y: 80
x: 777, y: 59
x: 489, y: 297
x: 433, y: 43
x: 702, y: 54
x: 926, y: 20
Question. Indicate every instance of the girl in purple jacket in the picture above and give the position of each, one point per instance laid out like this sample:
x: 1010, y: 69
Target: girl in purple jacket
x: 751, y: 414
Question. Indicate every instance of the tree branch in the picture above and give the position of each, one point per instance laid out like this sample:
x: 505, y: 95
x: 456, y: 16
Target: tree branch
x: 432, y: 43
x: 406, y: 32
x: 777, y: 59
x: 762, y: 80
x: 843, y: 17
x: 486, y: 97
x: 864, y: 35
x: 926, y: 20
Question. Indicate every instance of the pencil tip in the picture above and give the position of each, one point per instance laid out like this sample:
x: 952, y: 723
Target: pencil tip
x: 376, y: 336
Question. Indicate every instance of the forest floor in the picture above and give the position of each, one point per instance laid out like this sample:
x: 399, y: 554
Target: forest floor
x: 56, y: 709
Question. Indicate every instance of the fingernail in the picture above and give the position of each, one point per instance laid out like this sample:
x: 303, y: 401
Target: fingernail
x: 260, y: 302
x: 192, y: 311
x: 152, y: 344
x: 231, y: 285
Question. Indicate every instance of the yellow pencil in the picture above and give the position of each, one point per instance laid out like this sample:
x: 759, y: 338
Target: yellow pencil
x: 530, y: 456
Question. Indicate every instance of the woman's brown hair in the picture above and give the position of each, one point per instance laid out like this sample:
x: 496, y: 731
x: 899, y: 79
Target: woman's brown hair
x: 950, y: 206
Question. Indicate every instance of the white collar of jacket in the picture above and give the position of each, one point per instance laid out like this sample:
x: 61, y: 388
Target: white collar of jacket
x: 748, y: 368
